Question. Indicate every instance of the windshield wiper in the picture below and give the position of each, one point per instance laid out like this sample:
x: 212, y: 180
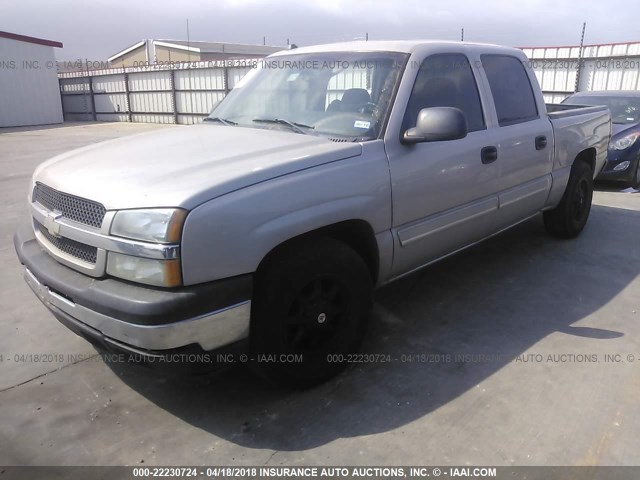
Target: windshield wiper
x: 298, y: 127
x: 221, y: 120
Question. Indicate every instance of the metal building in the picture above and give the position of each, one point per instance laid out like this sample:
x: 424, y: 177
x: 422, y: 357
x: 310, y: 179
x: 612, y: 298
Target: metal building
x: 29, y: 91
x: 150, y: 52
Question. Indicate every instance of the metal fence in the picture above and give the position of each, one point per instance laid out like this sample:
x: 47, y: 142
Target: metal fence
x: 564, y: 70
x: 179, y: 93
x: 186, y: 92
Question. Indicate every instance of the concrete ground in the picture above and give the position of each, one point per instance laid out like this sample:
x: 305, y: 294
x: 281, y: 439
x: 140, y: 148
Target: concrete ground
x: 524, y: 350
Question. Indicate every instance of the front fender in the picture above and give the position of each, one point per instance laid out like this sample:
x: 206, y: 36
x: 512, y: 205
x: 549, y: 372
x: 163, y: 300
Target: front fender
x: 230, y: 235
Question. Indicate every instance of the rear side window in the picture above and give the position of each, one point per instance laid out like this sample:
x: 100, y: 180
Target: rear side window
x: 445, y: 80
x: 511, y: 89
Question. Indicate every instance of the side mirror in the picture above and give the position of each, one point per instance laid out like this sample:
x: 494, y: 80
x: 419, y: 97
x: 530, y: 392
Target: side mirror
x: 437, y: 124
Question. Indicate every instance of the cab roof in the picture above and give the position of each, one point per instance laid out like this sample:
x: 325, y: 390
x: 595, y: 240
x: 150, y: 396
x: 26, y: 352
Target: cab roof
x: 402, y: 46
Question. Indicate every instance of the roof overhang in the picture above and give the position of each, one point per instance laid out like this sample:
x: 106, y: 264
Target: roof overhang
x: 26, y: 39
x: 126, y: 50
x: 176, y: 46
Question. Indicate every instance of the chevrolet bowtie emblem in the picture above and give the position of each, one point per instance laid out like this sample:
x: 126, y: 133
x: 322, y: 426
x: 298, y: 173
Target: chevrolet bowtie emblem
x: 51, y: 223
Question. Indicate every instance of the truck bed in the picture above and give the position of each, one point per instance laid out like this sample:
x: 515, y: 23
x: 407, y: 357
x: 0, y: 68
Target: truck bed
x: 560, y: 110
x: 577, y: 128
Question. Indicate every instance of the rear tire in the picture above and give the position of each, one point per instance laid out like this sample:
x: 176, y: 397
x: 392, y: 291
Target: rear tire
x: 570, y: 216
x: 310, y: 311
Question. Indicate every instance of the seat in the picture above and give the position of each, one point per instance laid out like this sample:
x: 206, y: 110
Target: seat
x: 352, y: 100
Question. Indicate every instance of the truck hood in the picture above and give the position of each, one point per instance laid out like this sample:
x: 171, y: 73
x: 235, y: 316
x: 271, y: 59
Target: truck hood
x: 184, y: 167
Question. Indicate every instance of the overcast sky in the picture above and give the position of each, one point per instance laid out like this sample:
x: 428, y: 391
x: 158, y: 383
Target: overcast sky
x: 96, y: 29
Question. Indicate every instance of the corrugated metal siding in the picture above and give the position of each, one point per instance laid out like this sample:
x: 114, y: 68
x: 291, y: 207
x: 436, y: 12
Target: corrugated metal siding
x: 113, y: 102
x: 602, y: 67
x: 197, y: 102
x: 150, y: 102
x: 179, y: 93
x: 29, y: 93
x: 144, y: 81
x: 201, y: 79
x: 353, y: 78
x: 108, y: 83
x: 236, y: 74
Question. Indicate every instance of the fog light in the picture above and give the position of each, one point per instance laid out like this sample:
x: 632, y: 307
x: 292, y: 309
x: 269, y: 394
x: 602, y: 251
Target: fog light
x: 161, y: 273
x: 622, y: 166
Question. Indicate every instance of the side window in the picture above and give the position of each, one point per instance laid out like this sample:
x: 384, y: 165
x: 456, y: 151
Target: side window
x: 445, y: 80
x: 511, y: 89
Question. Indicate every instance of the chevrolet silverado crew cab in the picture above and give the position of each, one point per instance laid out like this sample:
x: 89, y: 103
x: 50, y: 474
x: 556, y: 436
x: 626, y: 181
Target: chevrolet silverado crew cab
x: 326, y: 172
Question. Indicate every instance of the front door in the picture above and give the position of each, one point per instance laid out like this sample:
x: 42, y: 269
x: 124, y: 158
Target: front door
x: 444, y: 193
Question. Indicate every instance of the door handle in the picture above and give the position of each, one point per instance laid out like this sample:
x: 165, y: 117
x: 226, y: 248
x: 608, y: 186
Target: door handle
x: 489, y: 154
x: 541, y: 142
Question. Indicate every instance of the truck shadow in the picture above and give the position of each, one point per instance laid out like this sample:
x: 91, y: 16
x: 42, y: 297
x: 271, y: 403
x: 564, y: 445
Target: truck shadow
x: 474, y: 313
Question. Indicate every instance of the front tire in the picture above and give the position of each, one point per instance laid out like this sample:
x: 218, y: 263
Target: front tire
x: 570, y: 216
x: 310, y: 311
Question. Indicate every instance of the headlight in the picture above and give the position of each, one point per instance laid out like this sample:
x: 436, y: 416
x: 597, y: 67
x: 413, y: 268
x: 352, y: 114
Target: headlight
x: 161, y: 273
x: 624, y: 142
x: 160, y: 225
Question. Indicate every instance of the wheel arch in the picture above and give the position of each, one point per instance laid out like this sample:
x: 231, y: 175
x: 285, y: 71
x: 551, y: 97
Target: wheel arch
x: 356, y: 233
x: 561, y: 176
x: 587, y: 156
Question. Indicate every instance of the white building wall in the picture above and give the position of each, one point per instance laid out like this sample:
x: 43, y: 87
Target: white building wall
x: 29, y: 91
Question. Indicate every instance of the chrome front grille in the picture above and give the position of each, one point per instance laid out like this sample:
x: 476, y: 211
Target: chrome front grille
x: 74, y: 208
x: 83, y: 252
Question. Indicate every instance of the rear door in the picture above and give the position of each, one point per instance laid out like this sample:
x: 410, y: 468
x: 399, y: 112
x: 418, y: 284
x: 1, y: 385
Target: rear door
x: 524, y: 138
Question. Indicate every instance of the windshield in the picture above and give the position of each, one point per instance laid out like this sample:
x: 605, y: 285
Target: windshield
x: 339, y: 94
x: 623, y: 109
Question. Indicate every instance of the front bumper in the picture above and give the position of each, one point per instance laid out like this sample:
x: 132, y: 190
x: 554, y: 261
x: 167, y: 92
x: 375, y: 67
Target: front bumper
x: 133, y: 317
x: 608, y: 174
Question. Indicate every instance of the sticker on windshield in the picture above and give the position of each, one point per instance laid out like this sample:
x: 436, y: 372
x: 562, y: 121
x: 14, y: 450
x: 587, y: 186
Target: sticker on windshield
x: 361, y: 124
